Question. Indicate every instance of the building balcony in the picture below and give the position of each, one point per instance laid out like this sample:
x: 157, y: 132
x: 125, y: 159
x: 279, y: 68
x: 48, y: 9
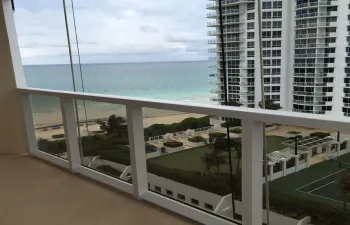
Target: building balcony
x: 301, y: 46
x: 216, y: 91
x: 225, y: 22
x: 228, y: 3
x: 313, y: 65
x: 226, y: 40
x: 226, y: 31
x: 226, y: 58
x: 230, y: 49
x: 347, y: 105
x: 314, y: 4
x: 309, y: 93
x: 312, y: 15
x: 315, y: 103
x: 246, y: 84
x: 320, y: 75
x: 316, y: 35
x: 318, y: 55
x: 246, y: 93
x: 314, y: 25
x: 225, y: 12
x: 310, y: 84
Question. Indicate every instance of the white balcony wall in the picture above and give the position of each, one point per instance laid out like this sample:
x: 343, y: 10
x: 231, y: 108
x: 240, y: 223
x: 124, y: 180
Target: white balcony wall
x: 12, y: 135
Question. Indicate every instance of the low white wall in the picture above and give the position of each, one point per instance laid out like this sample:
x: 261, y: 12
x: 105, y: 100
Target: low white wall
x: 290, y: 170
x: 194, y: 144
x: 188, y: 191
x: 305, y: 221
x: 302, y: 166
x: 271, y: 128
x: 114, y: 165
x: 287, y: 135
x: 216, y: 121
x: 233, y: 135
x: 277, y: 175
x: 172, y: 150
x: 153, y: 154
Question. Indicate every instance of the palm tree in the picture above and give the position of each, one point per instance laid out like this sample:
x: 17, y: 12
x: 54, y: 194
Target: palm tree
x: 237, y: 145
x: 115, y: 125
x: 213, y: 159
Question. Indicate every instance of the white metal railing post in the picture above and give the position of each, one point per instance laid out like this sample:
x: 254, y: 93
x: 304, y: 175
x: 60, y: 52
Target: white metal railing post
x: 29, y: 123
x: 137, y: 150
x: 252, y: 175
x: 70, y: 132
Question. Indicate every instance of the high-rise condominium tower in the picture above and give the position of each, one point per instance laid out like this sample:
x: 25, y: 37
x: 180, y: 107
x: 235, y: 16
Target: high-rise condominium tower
x: 306, y: 51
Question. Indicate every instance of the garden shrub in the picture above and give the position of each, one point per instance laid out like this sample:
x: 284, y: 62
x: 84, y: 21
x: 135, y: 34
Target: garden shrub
x: 150, y: 148
x: 320, y: 134
x: 196, y: 139
x: 188, y: 123
x: 236, y: 130
x: 215, y: 183
x: 217, y: 135
x: 173, y: 144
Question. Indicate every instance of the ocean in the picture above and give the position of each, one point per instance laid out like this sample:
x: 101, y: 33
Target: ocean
x: 178, y: 81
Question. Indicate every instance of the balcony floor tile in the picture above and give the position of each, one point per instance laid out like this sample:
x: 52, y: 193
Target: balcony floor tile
x: 33, y: 192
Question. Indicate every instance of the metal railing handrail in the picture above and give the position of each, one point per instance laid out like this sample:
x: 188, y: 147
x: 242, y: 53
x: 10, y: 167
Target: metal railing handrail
x: 268, y: 116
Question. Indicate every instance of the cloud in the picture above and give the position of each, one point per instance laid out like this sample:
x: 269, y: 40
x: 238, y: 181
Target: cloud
x: 149, y: 29
x: 113, y: 31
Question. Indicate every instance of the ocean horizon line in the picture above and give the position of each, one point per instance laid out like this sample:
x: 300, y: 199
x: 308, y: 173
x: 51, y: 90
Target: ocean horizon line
x: 109, y: 63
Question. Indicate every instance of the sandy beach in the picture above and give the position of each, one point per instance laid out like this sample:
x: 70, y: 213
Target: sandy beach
x: 47, y: 131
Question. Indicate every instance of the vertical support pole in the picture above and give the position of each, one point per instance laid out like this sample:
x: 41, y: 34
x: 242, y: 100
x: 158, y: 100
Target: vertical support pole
x: 70, y: 132
x: 284, y: 167
x: 137, y: 150
x: 296, y: 163
x: 252, y: 186
x: 271, y: 172
x: 338, y: 149
x: 308, y: 160
x: 29, y: 123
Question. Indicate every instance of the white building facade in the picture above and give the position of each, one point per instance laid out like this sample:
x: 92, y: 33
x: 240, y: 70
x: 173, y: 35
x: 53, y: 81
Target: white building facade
x: 305, y: 54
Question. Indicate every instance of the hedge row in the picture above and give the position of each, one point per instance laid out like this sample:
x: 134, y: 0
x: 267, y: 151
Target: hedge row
x: 188, y: 123
x: 173, y: 144
x: 196, y: 139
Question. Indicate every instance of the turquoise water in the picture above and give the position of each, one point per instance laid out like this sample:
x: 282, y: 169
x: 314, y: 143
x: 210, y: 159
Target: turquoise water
x: 180, y: 81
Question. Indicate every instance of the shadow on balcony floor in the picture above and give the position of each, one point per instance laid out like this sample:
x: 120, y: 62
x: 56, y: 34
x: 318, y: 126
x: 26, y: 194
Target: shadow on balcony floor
x: 34, y: 192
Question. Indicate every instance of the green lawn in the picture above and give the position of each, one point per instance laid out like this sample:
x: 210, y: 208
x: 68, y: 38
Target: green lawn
x: 190, y: 160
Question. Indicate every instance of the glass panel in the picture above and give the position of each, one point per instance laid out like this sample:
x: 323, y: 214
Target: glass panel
x: 187, y: 160
x: 49, y: 125
x: 104, y: 138
x: 309, y: 174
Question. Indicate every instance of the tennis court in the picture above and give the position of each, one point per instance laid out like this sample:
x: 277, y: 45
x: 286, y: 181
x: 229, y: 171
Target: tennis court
x: 327, y: 187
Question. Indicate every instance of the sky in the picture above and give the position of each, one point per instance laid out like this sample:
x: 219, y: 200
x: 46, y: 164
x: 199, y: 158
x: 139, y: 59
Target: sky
x: 112, y: 31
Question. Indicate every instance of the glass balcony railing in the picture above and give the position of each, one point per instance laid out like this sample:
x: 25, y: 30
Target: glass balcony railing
x: 181, y: 159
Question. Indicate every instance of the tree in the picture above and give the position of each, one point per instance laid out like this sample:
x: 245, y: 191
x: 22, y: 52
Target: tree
x: 116, y: 125
x: 271, y: 105
x: 237, y: 145
x: 213, y: 159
